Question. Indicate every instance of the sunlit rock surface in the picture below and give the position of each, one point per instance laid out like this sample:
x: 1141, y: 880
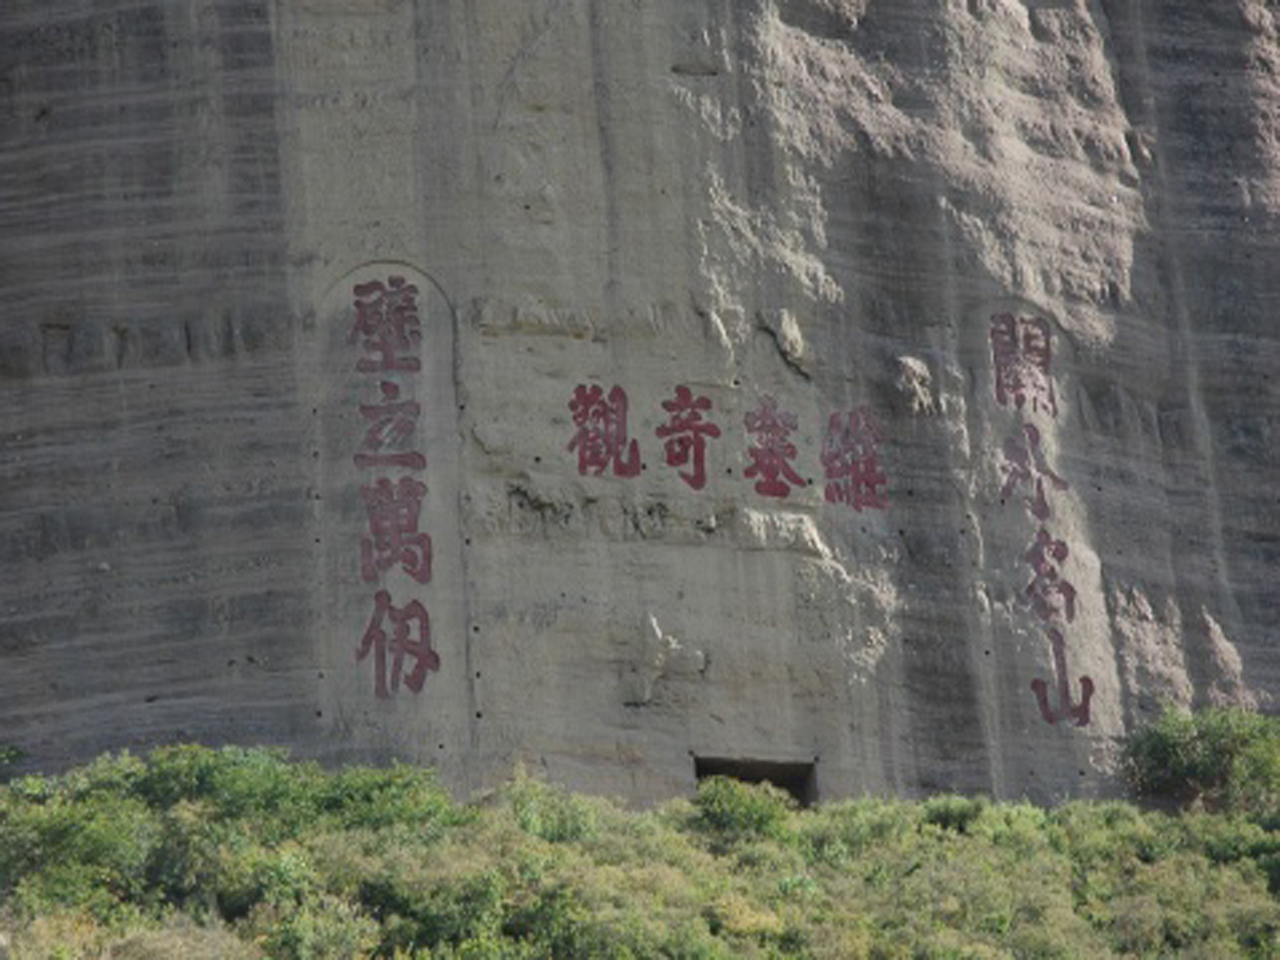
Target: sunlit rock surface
x: 888, y: 391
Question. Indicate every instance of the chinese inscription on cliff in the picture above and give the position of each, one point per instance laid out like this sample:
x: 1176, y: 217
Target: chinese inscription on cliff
x: 849, y: 454
x: 388, y: 331
x: 1022, y: 362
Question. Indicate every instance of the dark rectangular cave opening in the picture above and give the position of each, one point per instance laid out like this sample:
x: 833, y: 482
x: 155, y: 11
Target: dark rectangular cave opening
x: 798, y: 779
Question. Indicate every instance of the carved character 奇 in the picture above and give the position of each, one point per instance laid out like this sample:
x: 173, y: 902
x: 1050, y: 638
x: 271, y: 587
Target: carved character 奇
x: 685, y: 435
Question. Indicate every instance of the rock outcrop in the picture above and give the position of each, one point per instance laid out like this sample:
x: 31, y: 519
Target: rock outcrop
x: 887, y: 393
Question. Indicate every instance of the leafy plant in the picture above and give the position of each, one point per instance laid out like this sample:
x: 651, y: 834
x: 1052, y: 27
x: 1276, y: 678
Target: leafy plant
x: 10, y: 754
x: 952, y: 812
x: 738, y: 811
x: 232, y: 852
x: 1224, y: 760
x: 549, y: 813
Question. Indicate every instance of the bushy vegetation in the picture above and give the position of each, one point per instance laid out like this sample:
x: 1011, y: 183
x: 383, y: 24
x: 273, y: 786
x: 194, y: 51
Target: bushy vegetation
x: 192, y: 852
x: 1227, y: 760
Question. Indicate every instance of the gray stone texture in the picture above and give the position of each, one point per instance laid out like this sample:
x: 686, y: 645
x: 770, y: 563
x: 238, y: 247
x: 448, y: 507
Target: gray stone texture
x: 829, y: 202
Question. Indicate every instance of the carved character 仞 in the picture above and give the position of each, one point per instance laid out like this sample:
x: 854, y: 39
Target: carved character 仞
x: 405, y: 622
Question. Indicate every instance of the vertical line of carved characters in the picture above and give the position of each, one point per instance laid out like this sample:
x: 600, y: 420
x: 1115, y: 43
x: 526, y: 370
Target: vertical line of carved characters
x: 389, y: 332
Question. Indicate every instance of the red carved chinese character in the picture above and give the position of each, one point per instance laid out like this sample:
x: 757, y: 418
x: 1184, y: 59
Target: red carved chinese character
x: 392, y: 423
x: 1025, y: 463
x: 685, y: 435
x: 400, y: 644
x: 393, y: 525
x: 1078, y: 712
x: 387, y: 320
x: 1021, y: 352
x: 602, y: 432
x: 1046, y: 557
x: 773, y: 449
x: 852, y: 466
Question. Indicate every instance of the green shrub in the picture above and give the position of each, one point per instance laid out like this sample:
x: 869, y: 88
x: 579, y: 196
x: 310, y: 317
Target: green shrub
x: 59, y: 852
x: 180, y: 936
x: 1018, y: 827
x: 180, y: 852
x: 364, y: 797
x: 734, y: 811
x: 550, y: 813
x: 10, y: 754
x: 556, y: 923
x: 1220, y: 759
x: 320, y: 928
x: 258, y: 786
x: 953, y: 812
x: 185, y: 864
x: 839, y: 833
x: 417, y: 911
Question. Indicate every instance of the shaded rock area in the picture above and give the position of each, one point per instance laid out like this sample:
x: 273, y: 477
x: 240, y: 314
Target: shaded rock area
x: 892, y: 387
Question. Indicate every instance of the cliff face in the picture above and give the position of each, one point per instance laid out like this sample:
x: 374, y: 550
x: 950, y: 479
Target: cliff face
x: 887, y: 387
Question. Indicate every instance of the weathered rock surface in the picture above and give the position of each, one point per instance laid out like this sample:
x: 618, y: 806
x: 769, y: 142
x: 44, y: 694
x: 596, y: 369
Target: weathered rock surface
x: 1025, y: 252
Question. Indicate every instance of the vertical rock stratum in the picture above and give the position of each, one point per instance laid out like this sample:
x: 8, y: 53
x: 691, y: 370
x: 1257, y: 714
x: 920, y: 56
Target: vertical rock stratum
x: 879, y: 394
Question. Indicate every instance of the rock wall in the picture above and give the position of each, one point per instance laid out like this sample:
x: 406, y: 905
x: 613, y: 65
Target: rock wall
x: 886, y: 390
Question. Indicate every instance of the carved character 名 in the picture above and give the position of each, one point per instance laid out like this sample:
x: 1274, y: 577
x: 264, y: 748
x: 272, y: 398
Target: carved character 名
x: 771, y: 455
x: 392, y: 423
x: 685, y: 435
x: 851, y: 461
x: 1048, y: 586
x: 393, y: 530
x: 601, y: 439
x: 1022, y: 357
x: 387, y: 325
x: 405, y: 621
